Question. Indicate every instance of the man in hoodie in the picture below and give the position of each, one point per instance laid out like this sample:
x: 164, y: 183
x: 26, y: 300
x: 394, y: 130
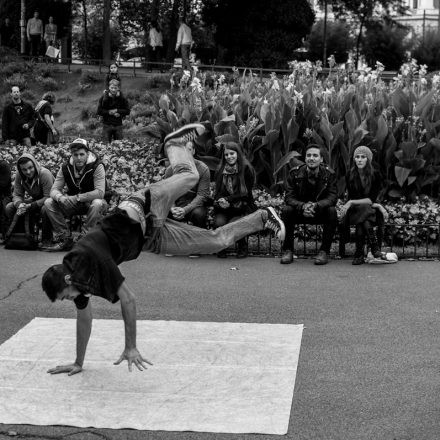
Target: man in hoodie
x: 5, y: 195
x: 31, y: 188
x: 113, y: 107
x: 79, y: 188
x: 17, y: 120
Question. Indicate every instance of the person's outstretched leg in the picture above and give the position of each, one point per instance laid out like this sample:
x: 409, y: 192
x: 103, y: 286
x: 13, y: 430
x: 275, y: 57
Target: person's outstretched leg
x: 179, y: 238
x: 185, y: 176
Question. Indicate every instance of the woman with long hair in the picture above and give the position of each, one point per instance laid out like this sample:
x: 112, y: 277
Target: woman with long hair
x: 234, y: 180
x: 113, y: 73
x: 364, y: 183
x: 44, y: 128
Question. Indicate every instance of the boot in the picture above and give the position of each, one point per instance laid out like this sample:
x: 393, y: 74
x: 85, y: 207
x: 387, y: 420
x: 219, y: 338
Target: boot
x: 372, y: 241
x: 359, y: 257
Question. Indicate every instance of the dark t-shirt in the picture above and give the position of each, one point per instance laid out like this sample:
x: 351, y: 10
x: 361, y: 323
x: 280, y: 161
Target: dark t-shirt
x: 93, y: 261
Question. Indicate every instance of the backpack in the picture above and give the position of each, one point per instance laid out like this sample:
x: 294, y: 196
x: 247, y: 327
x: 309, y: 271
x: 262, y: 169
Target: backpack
x: 15, y: 238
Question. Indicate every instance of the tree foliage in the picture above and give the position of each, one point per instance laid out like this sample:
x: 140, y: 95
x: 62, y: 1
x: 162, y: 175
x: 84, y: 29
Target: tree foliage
x: 339, y: 40
x: 258, y: 33
x: 427, y: 50
x: 385, y: 42
x: 362, y: 12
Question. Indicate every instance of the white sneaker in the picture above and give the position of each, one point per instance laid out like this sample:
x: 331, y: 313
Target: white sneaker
x: 275, y: 223
x: 186, y: 133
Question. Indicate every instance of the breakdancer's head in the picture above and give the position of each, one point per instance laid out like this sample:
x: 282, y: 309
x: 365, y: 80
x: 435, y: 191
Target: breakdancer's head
x: 57, y: 284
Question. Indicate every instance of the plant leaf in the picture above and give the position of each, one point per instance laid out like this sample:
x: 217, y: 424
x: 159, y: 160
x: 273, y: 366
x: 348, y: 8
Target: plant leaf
x: 401, y: 174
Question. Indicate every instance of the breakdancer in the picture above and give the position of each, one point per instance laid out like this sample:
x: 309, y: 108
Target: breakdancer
x: 91, y: 267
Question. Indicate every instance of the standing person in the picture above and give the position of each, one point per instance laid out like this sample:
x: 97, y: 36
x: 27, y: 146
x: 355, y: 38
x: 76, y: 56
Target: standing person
x: 311, y: 197
x: 184, y: 41
x: 6, y: 33
x: 79, y: 188
x: 17, y: 120
x: 50, y: 33
x: 112, y: 74
x: 44, y: 130
x: 363, y: 186
x: 91, y: 268
x: 5, y: 195
x: 234, y: 181
x: 34, y: 32
x: 113, y: 107
x: 156, y: 44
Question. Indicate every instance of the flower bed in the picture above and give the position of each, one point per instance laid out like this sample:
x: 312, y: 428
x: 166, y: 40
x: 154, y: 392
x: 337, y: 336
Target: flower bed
x: 131, y: 165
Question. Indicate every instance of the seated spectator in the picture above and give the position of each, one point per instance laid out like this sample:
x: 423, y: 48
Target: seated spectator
x: 311, y: 197
x: 112, y: 74
x: 233, y: 197
x: 5, y: 195
x: 79, y: 188
x: 364, y: 183
x: 44, y: 130
x: 17, y: 120
x: 113, y: 107
x: 32, y: 187
x: 191, y: 206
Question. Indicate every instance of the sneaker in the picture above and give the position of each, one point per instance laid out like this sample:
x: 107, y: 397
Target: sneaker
x: 358, y: 260
x: 321, y: 258
x: 275, y: 223
x: 185, y: 134
x: 61, y: 246
x: 287, y: 257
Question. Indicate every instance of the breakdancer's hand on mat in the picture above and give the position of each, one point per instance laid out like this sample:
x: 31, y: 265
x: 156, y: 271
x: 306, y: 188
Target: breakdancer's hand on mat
x: 133, y: 356
x: 69, y: 369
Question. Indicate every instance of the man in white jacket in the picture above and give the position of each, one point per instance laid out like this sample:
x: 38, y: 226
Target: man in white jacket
x: 184, y: 41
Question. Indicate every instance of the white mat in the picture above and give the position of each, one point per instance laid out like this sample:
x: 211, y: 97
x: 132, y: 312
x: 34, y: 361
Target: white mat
x: 211, y: 377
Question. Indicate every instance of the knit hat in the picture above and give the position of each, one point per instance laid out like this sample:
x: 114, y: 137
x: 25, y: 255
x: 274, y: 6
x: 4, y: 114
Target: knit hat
x: 79, y: 143
x: 362, y: 149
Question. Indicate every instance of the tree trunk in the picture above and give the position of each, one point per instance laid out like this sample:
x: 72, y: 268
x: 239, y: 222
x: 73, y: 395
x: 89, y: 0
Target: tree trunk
x: 155, y: 10
x: 358, y: 44
x: 173, y: 30
x: 106, y: 45
x: 86, y: 33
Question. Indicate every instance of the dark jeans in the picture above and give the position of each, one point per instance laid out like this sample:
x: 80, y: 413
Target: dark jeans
x: 228, y: 215
x: 112, y: 132
x: 326, y: 217
x: 198, y: 216
x: 4, y: 221
x: 35, y: 45
x: 185, y: 51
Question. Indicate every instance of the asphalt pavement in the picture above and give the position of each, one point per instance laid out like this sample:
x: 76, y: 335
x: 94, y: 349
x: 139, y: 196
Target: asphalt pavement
x: 369, y: 365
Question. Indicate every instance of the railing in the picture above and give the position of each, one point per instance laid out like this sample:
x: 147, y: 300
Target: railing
x: 407, y: 241
x: 136, y: 66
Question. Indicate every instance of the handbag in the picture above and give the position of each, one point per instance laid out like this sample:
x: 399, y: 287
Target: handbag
x: 52, y: 138
x: 20, y: 240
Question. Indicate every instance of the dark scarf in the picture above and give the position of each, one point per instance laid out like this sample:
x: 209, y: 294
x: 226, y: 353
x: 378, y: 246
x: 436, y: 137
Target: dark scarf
x: 230, y: 174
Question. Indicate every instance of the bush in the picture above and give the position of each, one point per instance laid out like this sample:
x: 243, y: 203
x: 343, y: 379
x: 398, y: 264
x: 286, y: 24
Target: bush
x: 28, y: 95
x: 142, y: 110
x: 16, y: 79
x: 90, y: 77
x: 66, y: 98
x: 47, y: 84
x: 88, y: 112
x: 427, y: 51
x: 8, y: 69
x: 158, y: 82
